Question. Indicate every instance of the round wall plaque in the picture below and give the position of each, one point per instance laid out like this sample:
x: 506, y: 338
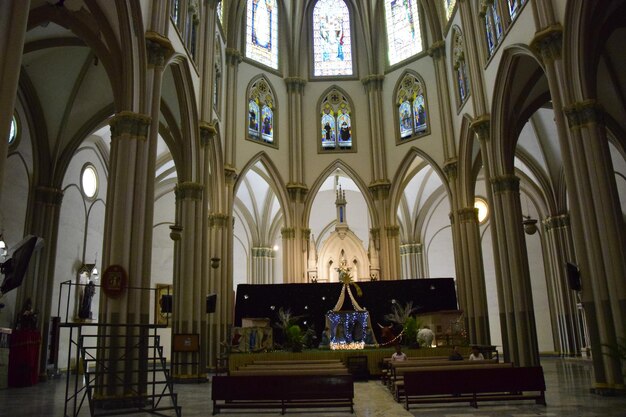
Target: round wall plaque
x: 114, y: 281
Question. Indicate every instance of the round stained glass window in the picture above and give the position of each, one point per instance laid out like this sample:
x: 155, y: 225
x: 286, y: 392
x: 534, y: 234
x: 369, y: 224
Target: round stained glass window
x: 13, y: 131
x: 483, y: 209
x: 89, y: 181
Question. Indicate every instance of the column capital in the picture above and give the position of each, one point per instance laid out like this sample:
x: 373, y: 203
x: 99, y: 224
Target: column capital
x: 295, y: 84
x: 467, y: 215
x: 380, y: 189
x: 583, y: 114
x: 207, y: 132
x: 129, y: 124
x: 306, y: 233
x: 410, y: 248
x: 373, y: 81
x: 437, y: 49
x: 450, y: 168
x: 230, y: 172
x: 188, y: 191
x: 556, y: 222
x: 480, y: 125
x: 218, y: 220
x: 548, y: 42
x: 263, y: 252
x: 159, y: 49
x: 48, y: 195
x: 288, y: 233
x: 393, y: 230
x: 297, y: 191
x: 505, y: 183
x: 233, y: 56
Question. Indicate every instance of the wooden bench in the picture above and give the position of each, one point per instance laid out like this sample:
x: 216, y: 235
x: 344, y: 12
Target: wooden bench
x: 282, y: 392
x: 397, y: 385
x: 474, y: 384
x: 295, y: 361
x: 302, y: 371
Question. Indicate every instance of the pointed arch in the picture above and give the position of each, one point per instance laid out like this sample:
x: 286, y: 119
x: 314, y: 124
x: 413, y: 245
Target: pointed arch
x: 262, y: 112
x: 273, y: 179
x: 335, y: 111
x: 354, y: 176
x: 468, y: 154
x: 412, y: 116
x: 521, y: 87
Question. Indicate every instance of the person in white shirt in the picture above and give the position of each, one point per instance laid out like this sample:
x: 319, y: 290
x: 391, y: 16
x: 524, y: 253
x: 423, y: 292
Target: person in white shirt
x: 476, y: 355
x: 398, y: 354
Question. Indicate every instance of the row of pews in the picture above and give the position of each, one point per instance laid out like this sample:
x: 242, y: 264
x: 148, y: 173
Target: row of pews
x: 439, y: 380
x: 284, y: 385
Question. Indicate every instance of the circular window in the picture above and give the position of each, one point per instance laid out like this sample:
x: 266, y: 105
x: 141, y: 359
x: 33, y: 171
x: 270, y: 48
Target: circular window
x: 89, y: 181
x: 483, y: 209
x: 13, y: 131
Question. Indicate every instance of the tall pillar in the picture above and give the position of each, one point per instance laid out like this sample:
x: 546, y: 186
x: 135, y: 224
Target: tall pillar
x: 373, y: 86
x: 566, y: 317
x: 38, y: 285
x: 233, y: 59
x: 386, y: 238
x: 189, y: 284
x: 13, y: 22
x: 521, y: 341
x: 412, y: 259
x: 438, y: 52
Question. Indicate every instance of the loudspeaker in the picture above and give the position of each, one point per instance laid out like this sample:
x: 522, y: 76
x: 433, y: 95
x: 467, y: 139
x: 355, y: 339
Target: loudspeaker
x: 211, y: 302
x: 166, y: 303
x: 573, y: 276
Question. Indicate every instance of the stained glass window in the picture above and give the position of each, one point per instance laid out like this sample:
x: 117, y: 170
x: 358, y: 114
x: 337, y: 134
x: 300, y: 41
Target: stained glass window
x: 217, y: 78
x: 332, y: 42
x: 449, y: 6
x: 404, y: 37
x: 335, y: 122
x: 175, y: 11
x: 261, y: 116
x: 460, y: 67
x: 514, y: 7
x: 219, y: 12
x: 262, y: 32
x: 13, y: 131
x: 493, y: 25
x: 412, y: 110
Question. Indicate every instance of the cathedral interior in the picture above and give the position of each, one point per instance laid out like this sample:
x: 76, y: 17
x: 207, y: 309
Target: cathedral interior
x: 185, y: 147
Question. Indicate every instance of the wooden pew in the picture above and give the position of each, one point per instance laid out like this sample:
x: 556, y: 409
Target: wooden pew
x: 263, y: 372
x: 282, y: 392
x: 486, y: 383
x: 295, y: 361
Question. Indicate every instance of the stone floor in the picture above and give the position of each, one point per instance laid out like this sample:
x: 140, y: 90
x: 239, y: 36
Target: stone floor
x: 567, y: 394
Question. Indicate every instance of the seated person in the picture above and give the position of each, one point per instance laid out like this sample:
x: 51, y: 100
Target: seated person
x: 398, y: 355
x: 455, y: 355
x: 476, y: 355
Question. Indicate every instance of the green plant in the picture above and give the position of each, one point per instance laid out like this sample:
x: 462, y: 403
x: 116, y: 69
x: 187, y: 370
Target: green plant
x: 294, y: 338
x: 400, y: 313
x: 410, y: 331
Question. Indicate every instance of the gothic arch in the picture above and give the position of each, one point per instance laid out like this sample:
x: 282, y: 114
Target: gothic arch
x: 466, y: 163
x: 354, y: 176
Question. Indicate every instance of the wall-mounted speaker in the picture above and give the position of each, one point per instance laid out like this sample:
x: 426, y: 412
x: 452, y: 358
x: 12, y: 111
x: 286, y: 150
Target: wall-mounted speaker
x: 573, y: 277
x: 211, y: 303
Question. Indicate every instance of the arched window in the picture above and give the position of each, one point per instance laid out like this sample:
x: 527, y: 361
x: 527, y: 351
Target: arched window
x: 514, y: 7
x: 332, y: 40
x: 412, y: 109
x: 89, y: 181
x: 13, y: 131
x: 449, y: 8
x: 217, y: 76
x: 336, y: 122
x: 493, y: 24
x: 459, y: 67
x: 261, y: 112
x: 404, y: 37
x: 262, y: 33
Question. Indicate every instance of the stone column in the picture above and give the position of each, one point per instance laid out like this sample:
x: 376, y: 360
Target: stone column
x: 438, y: 52
x: 189, y: 284
x: 39, y: 282
x: 13, y: 22
x: 566, y: 317
x: 473, y: 30
x: 290, y: 254
x: 386, y: 237
x: 295, y: 91
x: 412, y: 259
x: 373, y: 86
x: 521, y: 338
x: 262, y: 271
x: 233, y: 59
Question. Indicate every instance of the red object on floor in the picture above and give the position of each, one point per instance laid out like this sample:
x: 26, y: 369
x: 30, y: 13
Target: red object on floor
x: 24, y: 358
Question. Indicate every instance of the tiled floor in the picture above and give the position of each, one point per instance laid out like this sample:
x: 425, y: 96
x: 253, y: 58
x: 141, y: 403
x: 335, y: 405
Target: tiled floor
x: 568, y: 383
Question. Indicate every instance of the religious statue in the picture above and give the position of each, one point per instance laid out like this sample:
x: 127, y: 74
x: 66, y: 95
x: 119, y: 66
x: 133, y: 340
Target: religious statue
x: 84, y: 312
